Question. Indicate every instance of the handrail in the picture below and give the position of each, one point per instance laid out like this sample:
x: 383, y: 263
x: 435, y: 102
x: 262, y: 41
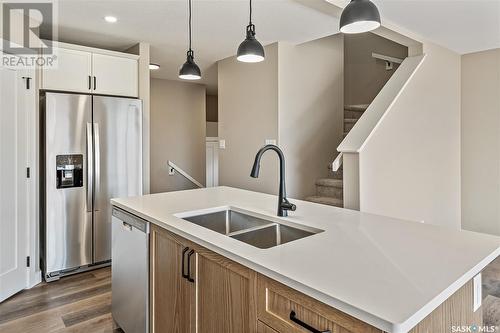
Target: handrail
x: 356, y: 139
x: 338, y: 162
x: 389, y: 61
x: 387, y: 58
x: 183, y: 173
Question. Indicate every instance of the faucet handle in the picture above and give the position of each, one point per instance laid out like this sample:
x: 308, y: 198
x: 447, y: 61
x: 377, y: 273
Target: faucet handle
x: 286, y: 205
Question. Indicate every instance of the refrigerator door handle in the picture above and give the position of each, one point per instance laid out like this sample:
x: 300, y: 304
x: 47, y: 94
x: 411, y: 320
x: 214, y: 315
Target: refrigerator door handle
x: 90, y: 167
x: 97, y: 157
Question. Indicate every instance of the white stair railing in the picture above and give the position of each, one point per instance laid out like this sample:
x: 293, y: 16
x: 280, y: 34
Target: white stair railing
x: 338, y: 162
x: 173, y: 167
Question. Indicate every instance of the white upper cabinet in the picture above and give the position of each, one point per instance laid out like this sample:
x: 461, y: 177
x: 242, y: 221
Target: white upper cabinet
x: 89, y: 70
x: 114, y: 75
x: 73, y: 72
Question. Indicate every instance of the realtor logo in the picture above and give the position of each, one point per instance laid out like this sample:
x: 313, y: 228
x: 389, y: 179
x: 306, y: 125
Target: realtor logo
x: 22, y: 27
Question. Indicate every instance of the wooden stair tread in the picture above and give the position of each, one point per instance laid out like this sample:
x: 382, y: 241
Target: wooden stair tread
x: 330, y: 182
x: 359, y: 107
x: 350, y: 120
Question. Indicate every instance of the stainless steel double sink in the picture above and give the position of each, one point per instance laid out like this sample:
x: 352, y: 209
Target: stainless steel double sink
x: 252, y: 230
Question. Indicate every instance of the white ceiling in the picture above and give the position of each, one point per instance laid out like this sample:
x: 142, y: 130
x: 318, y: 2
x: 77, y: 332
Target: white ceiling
x: 464, y: 26
x: 218, y: 28
x: 219, y: 25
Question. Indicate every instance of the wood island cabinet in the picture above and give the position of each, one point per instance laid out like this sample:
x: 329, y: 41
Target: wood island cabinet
x: 172, y: 295
x: 194, y: 290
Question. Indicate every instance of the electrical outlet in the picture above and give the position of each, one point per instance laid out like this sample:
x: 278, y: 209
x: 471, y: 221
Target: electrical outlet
x: 478, y: 291
x: 222, y: 144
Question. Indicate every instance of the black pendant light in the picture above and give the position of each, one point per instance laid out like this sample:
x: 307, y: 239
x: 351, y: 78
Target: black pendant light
x: 250, y: 50
x: 190, y: 70
x: 359, y: 16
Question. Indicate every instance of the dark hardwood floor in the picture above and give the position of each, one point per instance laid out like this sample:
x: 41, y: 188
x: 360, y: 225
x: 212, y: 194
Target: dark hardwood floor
x: 77, y: 303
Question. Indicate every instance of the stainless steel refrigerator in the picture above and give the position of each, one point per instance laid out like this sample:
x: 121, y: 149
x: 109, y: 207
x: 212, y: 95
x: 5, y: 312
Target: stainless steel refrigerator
x: 91, y: 152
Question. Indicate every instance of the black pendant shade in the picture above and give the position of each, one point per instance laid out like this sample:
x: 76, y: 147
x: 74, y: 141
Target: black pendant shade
x: 190, y: 70
x: 359, y: 16
x: 250, y: 50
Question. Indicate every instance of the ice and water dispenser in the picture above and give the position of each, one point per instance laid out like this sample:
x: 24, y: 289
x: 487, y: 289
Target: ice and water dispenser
x: 69, y: 170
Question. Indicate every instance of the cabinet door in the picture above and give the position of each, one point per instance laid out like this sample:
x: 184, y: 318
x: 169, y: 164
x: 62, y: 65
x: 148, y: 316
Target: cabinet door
x: 71, y: 74
x: 225, y: 290
x: 172, y: 296
x: 115, y: 75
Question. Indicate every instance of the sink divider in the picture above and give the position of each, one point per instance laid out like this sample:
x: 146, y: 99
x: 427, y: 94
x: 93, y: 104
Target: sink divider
x: 244, y: 231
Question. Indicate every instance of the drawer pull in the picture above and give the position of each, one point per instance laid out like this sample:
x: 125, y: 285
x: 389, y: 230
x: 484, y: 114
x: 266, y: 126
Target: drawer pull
x: 188, y: 277
x: 299, y: 322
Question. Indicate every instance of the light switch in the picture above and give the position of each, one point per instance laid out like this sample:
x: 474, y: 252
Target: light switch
x: 222, y: 144
x: 478, y: 291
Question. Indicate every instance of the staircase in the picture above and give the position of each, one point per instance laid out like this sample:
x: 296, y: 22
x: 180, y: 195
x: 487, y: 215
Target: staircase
x: 330, y: 191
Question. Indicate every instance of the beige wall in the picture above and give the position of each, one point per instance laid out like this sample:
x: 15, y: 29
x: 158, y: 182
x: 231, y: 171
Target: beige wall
x: 248, y: 115
x: 178, y: 118
x: 365, y: 75
x: 410, y: 166
x: 212, y: 116
x: 310, y: 110
x: 481, y: 142
x: 212, y: 108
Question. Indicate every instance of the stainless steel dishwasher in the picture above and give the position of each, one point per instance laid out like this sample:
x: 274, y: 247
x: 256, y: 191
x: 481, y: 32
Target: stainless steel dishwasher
x: 130, y: 272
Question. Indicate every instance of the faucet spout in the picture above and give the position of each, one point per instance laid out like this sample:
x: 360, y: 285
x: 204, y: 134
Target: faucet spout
x: 283, y: 205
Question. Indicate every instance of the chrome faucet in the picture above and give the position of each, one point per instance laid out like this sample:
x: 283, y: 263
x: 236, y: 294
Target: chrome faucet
x: 283, y: 204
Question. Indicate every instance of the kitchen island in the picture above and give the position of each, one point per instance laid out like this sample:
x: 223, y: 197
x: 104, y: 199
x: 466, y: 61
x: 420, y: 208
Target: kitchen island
x: 341, y: 270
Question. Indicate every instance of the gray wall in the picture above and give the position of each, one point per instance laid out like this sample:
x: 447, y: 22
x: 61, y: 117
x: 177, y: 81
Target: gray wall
x: 286, y: 99
x: 178, y: 122
x: 248, y: 115
x: 364, y: 75
x: 310, y: 110
x: 481, y: 142
x: 212, y: 116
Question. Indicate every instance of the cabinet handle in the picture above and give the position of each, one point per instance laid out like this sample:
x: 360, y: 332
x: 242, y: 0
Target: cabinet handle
x: 299, y: 322
x: 183, y: 261
x: 90, y: 82
x: 95, y: 83
x: 189, y: 266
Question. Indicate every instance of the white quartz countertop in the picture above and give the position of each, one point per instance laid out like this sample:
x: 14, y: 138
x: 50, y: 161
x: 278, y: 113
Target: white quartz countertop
x: 387, y: 272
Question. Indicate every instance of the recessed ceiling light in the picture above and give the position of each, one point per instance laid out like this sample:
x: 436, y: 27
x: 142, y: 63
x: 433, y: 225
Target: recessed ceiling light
x: 110, y: 19
x: 154, y: 66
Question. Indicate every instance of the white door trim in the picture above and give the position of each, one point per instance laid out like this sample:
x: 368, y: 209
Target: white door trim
x: 212, y: 162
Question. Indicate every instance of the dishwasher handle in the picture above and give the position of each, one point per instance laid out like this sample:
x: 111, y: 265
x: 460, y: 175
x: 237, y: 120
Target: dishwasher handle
x: 126, y: 226
x: 130, y: 221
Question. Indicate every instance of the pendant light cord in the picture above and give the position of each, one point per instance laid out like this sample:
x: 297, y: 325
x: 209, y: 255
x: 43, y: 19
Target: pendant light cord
x: 190, y: 25
x: 250, y: 12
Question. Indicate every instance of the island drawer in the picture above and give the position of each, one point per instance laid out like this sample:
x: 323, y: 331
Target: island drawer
x: 287, y: 310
